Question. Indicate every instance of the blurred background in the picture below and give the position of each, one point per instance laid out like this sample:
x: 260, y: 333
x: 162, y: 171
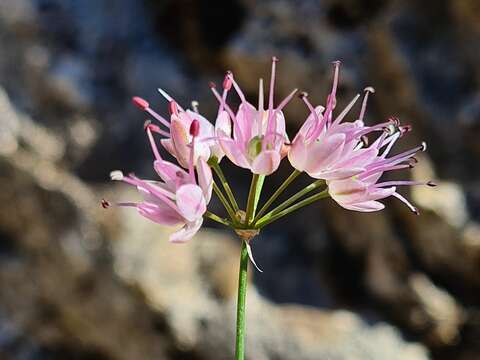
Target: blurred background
x: 79, y: 282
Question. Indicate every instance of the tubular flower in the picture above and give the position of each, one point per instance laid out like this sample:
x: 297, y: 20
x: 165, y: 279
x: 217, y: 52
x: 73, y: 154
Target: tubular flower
x: 179, y: 198
x: 362, y: 191
x: 326, y: 148
x: 259, y: 137
x: 177, y: 139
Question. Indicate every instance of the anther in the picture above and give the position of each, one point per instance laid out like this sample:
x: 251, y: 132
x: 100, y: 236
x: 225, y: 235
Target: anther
x: 431, y: 183
x: 336, y: 63
x: 369, y: 89
x: 303, y: 95
x: 212, y: 85
x: 424, y: 146
x: 364, y: 140
x: 146, y: 124
x: 140, y: 103
x: 116, y: 175
x: 416, y: 211
x: 194, y: 128
x: 274, y: 59
x: 105, y: 204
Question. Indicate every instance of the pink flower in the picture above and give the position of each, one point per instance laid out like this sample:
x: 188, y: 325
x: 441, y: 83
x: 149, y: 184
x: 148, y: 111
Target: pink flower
x: 329, y: 149
x: 177, y: 139
x: 259, y: 136
x: 179, y: 199
x: 362, y: 191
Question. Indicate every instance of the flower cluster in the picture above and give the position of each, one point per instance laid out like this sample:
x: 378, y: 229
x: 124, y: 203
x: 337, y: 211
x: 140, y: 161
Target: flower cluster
x: 347, y: 158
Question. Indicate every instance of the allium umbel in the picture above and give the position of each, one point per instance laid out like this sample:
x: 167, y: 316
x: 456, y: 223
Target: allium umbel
x: 346, y: 159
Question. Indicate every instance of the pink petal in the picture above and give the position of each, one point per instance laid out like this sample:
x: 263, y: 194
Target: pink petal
x: 168, y: 145
x: 223, y: 123
x: 186, y: 232
x: 170, y: 173
x: 245, y: 117
x: 205, y: 179
x: 233, y: 150
x: 298, y: 153
x: 191, y: 202
x: 159, y: 213
x: 367, y: 206
x: 179, y: 136
x: 338, y: 174
x: 323, y: 152
x: 347, y: 191
x: 266, y: 162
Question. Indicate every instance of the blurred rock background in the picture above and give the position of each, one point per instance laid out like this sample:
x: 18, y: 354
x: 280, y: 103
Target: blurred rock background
x: 77, y: 282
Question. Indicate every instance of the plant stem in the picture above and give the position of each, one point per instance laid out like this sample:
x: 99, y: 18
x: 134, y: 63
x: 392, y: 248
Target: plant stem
x: 252, y: 194
x: 269, y: 219
x: 225, y: 184
x: 298, y: 195
x: 277, y: 193
x: 224, y: 201
x: 241, y: 300
x: 217, y: 218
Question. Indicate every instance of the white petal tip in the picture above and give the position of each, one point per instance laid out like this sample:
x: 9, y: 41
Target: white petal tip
x: 116, y: 175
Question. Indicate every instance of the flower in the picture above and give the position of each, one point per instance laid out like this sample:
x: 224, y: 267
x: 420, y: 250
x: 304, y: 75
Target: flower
x: 362, y: 191
x: 329, y: 149
x: 259, y: 136
x: 177, y: 139
x: 179, y: 199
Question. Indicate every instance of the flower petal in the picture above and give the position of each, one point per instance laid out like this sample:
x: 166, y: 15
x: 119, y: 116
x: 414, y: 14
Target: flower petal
x: 160, y: 213
x: 324, y: 152
x: 367, y: 206
x: 191, y: 202
x: 232, y: 150
x: 186, y: 232
x: 205, y: 179
x: 298, y: 153
x: 266, y: 162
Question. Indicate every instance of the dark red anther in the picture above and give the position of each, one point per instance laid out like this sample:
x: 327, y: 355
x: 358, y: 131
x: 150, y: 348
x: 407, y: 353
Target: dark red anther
x: 212, y: 85
x: 416, y: 211
x: 173, y: 107
x: 140, y: 103
x: 105, y: 204
x: 275, y: 59
x: 194, y: 128
x: 431, y: 183
x: 303, y: 95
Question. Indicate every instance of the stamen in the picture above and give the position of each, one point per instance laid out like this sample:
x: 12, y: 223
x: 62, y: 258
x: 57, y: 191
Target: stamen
x: 314, y: 131
x: 346, y: 110
x: 169, y: 98
x: 195, y: 106
x: 260, y: 95
x: 194, y: 131
x: 140, y: 103
x: 270, y: 95
x: 331, y: 99
x: 406, y: 202
x: 431, y: 183
x: 367, y: 91
x: 229, y: 110
x: 173, y: 108
x: 237, y: 88
x: 401, y: 183
x: 152, y: 144
x: 155, y: 128
x: 227, y: 81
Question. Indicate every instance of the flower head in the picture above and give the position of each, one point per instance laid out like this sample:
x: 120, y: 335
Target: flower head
x: 362, y: 191
x: 258, y: 141
x: 177, y: 139
x: 180, y: 198
x: 326, y: 148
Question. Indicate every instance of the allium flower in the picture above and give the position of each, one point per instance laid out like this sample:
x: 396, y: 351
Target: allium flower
x: 328, y: 149
x: 178, y: 138
x: 179, y: 199
x: 259, y: 136
x: 362, y: 191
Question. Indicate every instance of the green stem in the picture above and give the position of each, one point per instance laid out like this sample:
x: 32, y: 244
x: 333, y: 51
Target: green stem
x: 224, y: 201
x: 277, y: 193
x: 252, y: 195
x: 226, y: 186
x: 269, y: 219
x: 298, y: 195
x: 217, y: 218
x: 241, y: 300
